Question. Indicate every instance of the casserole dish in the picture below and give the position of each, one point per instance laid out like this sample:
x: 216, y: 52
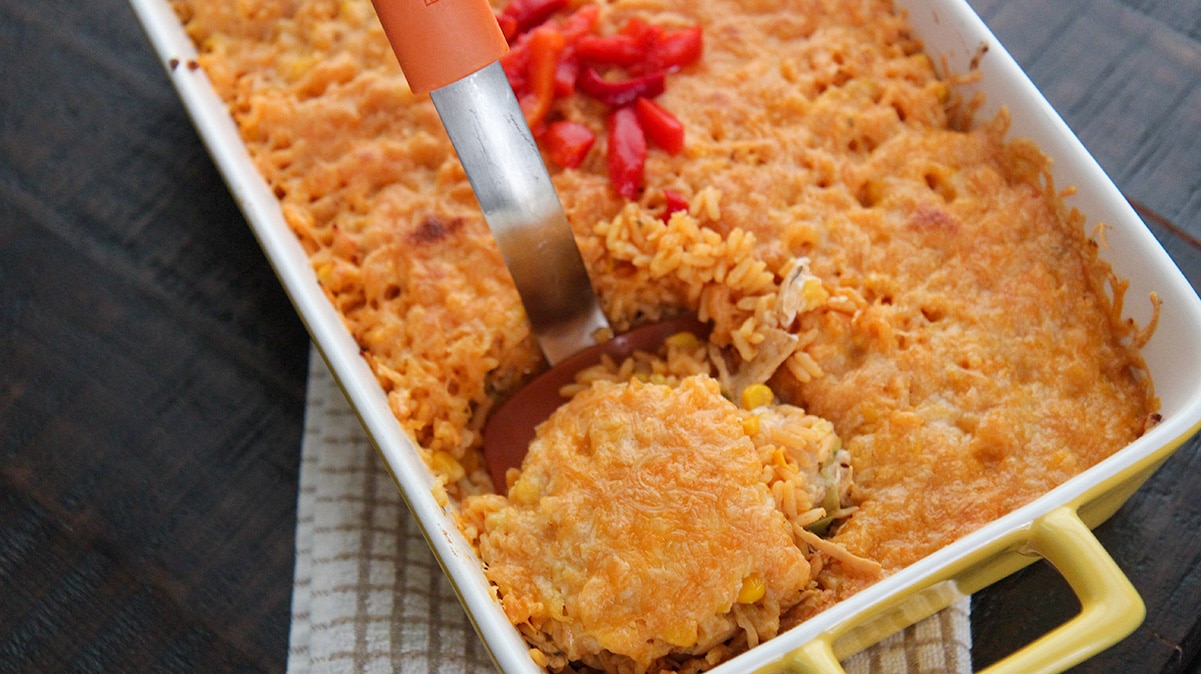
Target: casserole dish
x: 1054, y: 526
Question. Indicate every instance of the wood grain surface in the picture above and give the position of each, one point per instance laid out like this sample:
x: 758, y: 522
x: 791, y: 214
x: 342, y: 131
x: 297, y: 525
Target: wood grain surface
x: 152, y: 371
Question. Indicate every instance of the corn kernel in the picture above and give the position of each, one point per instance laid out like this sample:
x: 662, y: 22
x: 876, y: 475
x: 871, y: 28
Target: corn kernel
x: 681, y: 635
x: 447, y: 466
x: 779, y: 458
x: 750, y: 425
x: 523, y: 492
x: 756, y: 395
x: 325, y: 273
x: 682, y: 340
x: 814, y: 293
x: 753, y: 589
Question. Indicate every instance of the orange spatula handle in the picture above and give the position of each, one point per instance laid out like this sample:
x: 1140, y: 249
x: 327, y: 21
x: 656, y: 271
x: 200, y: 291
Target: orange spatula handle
x: 440, y: 41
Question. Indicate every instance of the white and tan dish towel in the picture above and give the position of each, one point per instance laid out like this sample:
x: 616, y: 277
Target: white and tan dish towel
x: 368, y: 595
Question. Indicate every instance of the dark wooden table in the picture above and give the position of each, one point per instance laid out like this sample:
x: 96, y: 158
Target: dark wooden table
x: 152, y: 372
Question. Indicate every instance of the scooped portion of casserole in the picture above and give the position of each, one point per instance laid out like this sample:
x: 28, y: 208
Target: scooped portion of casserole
x: 637, y: 522
x: 655, y: 522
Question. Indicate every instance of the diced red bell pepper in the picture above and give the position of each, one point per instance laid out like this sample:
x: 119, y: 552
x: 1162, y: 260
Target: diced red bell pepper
x: 515, y: 63
x: 545, y: 45
x: 566, y: 73
x: 580, y: 23
x: 671, y: 51
x: 627, y: 152
x: 609, y: 50
x: 521, y: 15
x: 660, y: 126
x: 644, y: 33
x: 621, y: 93
x: 551, y: 59
x: 675, y: 203
x: 508, y: 27
x: 567, y: 143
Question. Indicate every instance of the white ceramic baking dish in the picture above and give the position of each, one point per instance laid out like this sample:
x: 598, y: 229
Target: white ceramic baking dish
x: 1056, y: 526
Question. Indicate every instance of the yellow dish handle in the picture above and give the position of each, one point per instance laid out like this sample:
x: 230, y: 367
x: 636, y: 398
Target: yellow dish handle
x: 1110, y: 608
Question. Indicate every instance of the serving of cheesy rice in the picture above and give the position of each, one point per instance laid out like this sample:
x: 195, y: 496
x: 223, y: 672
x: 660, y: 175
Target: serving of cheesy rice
x: 910, y: 335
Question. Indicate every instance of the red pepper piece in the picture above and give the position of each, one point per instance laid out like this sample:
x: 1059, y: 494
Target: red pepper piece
x: 672, y: 51
x: 566, y: 73
x: 675, y: 203
x: 567, y: 143
x: 521, y: 15
x: 574, y: 27
x: 545, y: 44
x: 579, y: 24
x: 618, y: 94
x: 642, y: 32
x: 508, y: 27
x: 609, y: 50
x: 660, y: 126
x: 627, y: 152
x: 515, y: 63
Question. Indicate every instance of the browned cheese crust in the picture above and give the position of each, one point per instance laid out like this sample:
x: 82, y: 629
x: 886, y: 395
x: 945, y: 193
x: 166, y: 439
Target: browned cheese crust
x: 637, y: 521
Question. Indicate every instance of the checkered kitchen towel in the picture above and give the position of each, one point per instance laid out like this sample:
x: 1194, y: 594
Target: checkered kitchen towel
x: 368, y: 595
